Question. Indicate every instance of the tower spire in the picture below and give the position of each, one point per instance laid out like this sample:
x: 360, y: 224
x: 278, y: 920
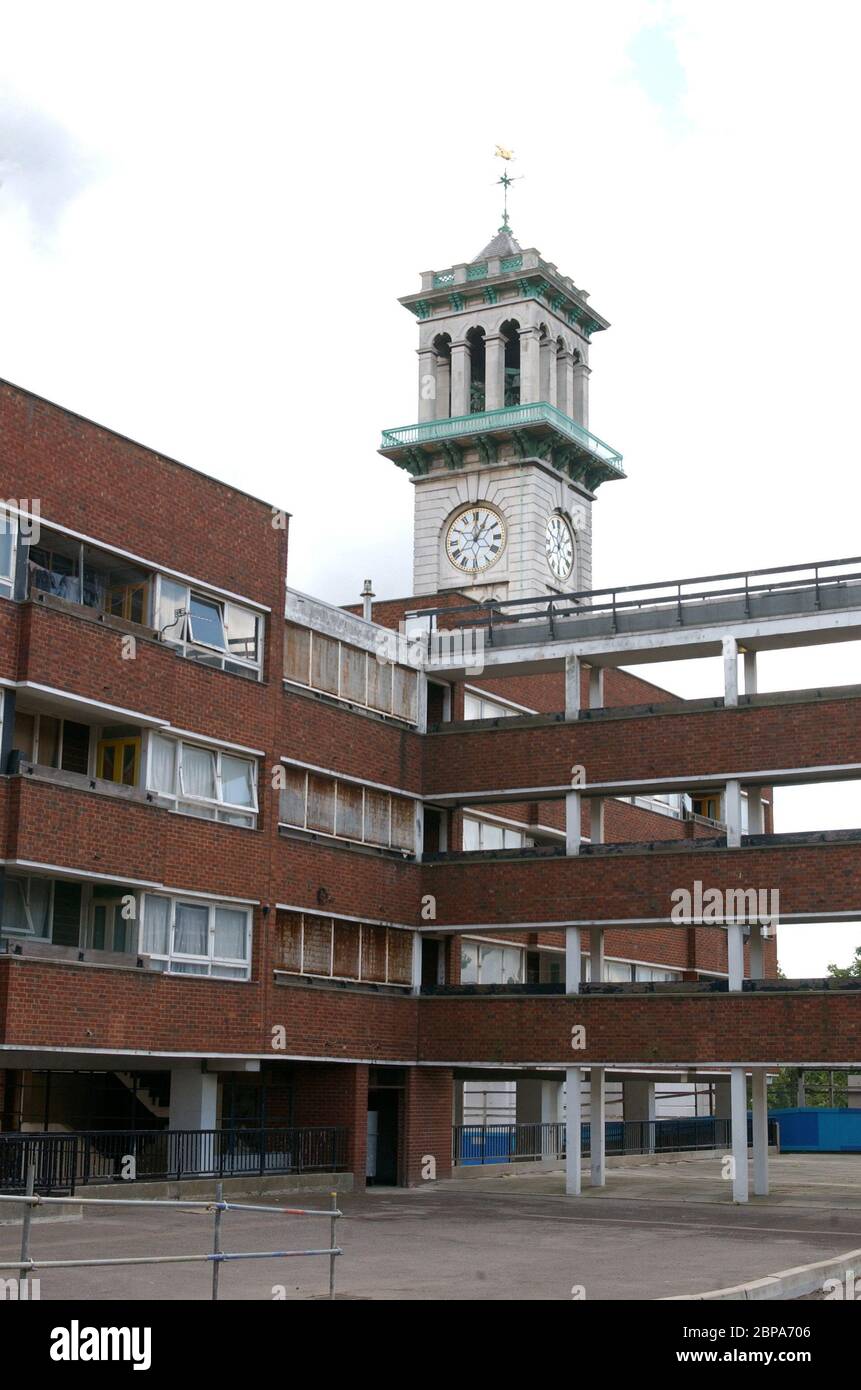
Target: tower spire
x: 506, y: 180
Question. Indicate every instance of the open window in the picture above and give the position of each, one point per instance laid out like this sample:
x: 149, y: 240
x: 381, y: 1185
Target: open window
x: 8, y: 540
x: 211, y: 630
x: 206, y: 782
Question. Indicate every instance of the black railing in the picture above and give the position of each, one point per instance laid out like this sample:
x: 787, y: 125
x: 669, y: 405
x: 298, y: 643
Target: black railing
x: 513, y: 1143
x: 63, y: 1162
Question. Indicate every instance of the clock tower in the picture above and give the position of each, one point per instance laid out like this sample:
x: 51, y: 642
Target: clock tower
x: 504, y: 466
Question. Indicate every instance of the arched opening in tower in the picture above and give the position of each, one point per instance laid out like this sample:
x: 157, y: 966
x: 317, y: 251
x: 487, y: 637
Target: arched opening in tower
x: 442, y: 348
x: 477, y: 372
x: 510, y: 331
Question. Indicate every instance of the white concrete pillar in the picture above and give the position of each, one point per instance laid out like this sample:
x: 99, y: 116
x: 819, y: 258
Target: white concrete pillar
x: 597, y: 1132
x: 565, y: 383
x: 580, y: 388
x: 596, y: 954
x: 735, y: 955
x: 573, y: 1116
x: 732, y: 813
x: 730, y: 670
x: 460, y: 377
x: 572, y: 822
x: 755, y: 811
x: 572, y: 687
x: 530, y: 365
x: 759, y: 1108
x: 552, y: 375
x: 596, y: 820
x: 750, y: 673
x: 596, y: 687
x: 193, y: 1098
x: 572, y: 960
x: 494, y: 371
x: 427, y: 384
x: 638, y: 1107
x: 757, y: 962
x: 738, y: 1092
x: 443, y: 388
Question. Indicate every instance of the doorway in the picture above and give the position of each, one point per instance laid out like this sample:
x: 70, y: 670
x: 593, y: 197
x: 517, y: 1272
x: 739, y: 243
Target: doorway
x: 383, y: 1116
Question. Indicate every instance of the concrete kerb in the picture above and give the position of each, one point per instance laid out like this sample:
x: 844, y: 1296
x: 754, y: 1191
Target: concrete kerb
x: 788, y: 1283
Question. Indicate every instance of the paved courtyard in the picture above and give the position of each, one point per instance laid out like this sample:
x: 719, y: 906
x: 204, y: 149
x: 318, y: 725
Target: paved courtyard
x: 656, y: 1230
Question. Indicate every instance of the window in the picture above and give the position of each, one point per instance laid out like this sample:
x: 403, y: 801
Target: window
x: 491, y: 964
x: 481, y: 707
x: 349, y: 673
x: 194, y: 938
x: 348, y: 810
x: 204, y: 782
x: 481, y: 834
x: 112, y: 925
x: 8, y: 538
x: 653, y: 972
x: 707, y: 804
x: 118, y: 760
x: 327, y: 948
x: 208, y: 629
x: 27, y: 908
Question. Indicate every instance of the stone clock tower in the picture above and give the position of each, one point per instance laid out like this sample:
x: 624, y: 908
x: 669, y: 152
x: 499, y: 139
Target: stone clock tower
x: 504, y: 467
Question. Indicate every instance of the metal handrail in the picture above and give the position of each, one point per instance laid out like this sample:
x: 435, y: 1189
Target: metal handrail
x: 511, y: 416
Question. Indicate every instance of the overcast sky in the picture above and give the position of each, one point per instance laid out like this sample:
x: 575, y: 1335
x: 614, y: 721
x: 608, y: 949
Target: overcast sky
x: 208, y: 211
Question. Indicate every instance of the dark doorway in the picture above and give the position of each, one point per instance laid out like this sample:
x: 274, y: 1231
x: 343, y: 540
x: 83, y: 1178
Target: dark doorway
x: 383, y: 1113
x: 430, y: 960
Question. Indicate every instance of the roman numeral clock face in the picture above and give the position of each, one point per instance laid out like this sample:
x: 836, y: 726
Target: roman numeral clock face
x: 559, y: 547
x: 475, y: 539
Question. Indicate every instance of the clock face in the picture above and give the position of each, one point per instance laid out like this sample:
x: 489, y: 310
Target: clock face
x: 559, y: 547
x: 475, y: 539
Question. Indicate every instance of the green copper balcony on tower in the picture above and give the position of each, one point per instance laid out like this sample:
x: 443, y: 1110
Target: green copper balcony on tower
x: 537, y: 430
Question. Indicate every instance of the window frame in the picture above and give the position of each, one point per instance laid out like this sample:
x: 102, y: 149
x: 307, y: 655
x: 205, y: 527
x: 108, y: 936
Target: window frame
x: 366, y: 703
x: 9, y: 526
x: 15, y: 933
x: 182, y: 799
x: 183, y: 637
x: 364, y: 787
x: 363, y: 927
x: 211, y: 961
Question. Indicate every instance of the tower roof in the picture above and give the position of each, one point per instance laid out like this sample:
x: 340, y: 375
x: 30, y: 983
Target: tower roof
x: 503, y: 244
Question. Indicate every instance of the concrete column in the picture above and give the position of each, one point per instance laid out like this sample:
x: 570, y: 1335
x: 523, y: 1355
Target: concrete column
x: 755, y: 811
x: 443, y: 388
x: 735, y: 955
x: 596, y: 953
x: 193, y: 1098
x: 596, y: 687
x: 732, y: 814
x: 530, y: 365
x: 750, y: 673
x: 597, y: 1144
x: 760, y: 1131
x: 596, y: 820
x: 638, y: 1107
x: 573, y: 1115
x: 427, y: 383
x: 460, y: 377
x: 417, y: 963
x: 494, y: 371
x: 580, y: 391
x: 738, y: 1092
x: 757, y: 963
x: 572, y: 822
x: 565, y: 383
x: 572, y: 687
x: 551, y: 374
x: 730, y: 670
x: 572, y: 960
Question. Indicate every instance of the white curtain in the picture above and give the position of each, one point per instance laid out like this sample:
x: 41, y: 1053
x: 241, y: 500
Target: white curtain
x: 156, y: 925
x: 191, y: 934
x: 162, y: 765
x: 197, y: 772
x: 230, y: 933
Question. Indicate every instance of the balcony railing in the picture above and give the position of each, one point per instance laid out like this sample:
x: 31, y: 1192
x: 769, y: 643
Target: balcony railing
x: 512, y: 417
x: 513, y: 1143
x: 64, y: 1162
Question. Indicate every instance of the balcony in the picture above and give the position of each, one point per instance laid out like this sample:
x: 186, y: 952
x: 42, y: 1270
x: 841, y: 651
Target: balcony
x: 537, y: 430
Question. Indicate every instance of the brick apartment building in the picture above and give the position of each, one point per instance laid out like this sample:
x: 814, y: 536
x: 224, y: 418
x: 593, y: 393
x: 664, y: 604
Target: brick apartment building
x: 266, y: 867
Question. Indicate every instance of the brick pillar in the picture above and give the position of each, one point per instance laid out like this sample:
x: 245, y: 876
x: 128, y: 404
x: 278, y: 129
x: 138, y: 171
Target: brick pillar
x: 336, y: 1093
x: 427, y: 1123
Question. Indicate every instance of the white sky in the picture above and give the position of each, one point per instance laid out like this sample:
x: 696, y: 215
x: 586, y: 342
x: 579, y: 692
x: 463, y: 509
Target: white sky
x: 207, y: 213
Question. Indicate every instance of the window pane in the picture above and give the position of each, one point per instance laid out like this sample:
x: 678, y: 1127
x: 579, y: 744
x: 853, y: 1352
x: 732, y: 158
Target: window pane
x: 172, y: 598
x: 469, y: 963
x: 471, y: 707
x: 162, y: 764
x: 324, y: 664
x: 353, y: 663
x: 288, y: 947
x: 471, y: 833
x: 400, y: 957
x: 512, y: 966
x: 156, y: 923
x: 317, y: 955
x: 490, y: 969
x: 491, y: 836
x: 297, y: 654
x: 237, y: 780
x: 206, y: 623
x: 293, y: 797
x: 22, y: 737
x: 231, y: 933
x: 346, y: 950
x: 25, y: 908
x: 380, y: 685
x: 7, y: 544
x: 349, y: 811
x: 404, y: 696
x: 374, y: 953
x: 191, y: 933
x: 197, y: 772
x: 376, y: 817
x: 321, y: 803
x: 241, y: 632
x: 617, y: 970
x: 403, y: 823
